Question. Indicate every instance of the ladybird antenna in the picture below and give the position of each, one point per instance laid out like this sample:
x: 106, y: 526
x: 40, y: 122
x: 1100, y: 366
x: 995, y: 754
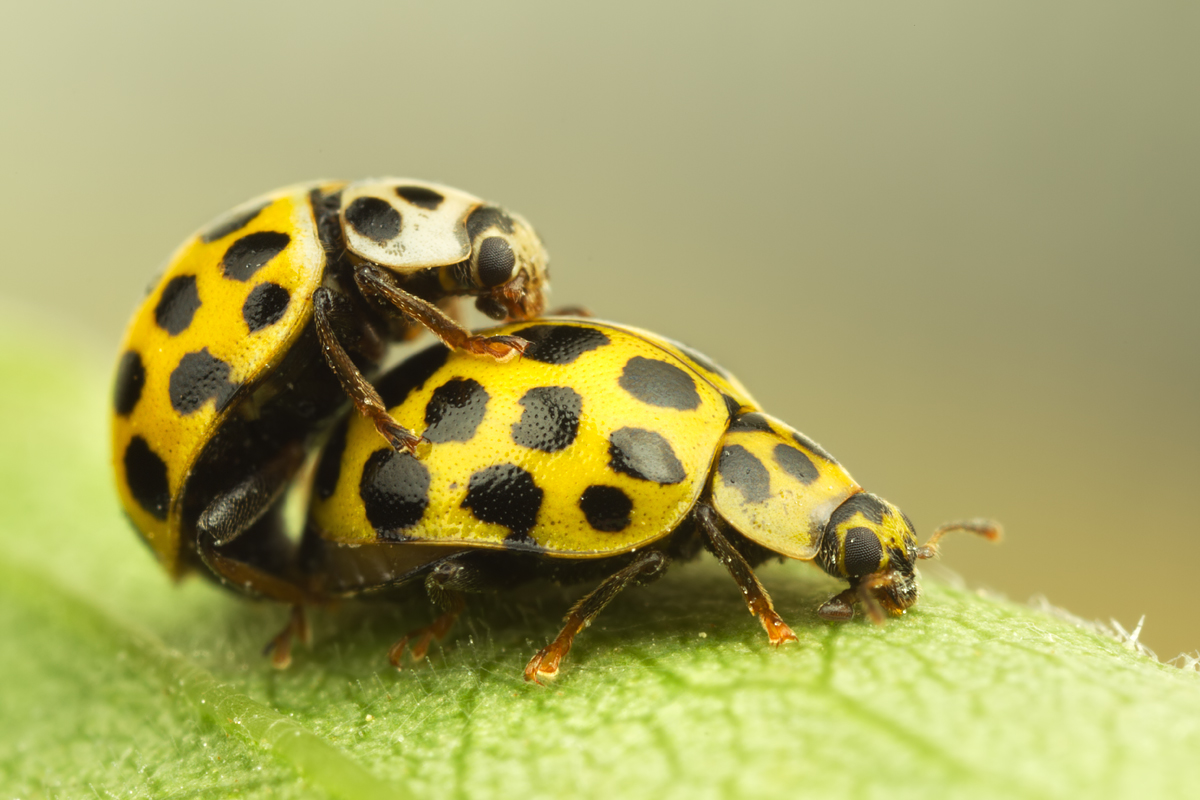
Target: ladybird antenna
x: 987, y: 528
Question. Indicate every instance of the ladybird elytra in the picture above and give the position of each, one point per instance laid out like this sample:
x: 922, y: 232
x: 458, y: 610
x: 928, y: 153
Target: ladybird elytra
x: 262, y: 325
x: 605, y: 452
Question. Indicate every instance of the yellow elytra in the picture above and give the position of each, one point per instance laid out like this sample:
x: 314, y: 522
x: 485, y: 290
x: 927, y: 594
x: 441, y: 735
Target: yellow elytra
x: 262, y: 327
x: 605, y: 451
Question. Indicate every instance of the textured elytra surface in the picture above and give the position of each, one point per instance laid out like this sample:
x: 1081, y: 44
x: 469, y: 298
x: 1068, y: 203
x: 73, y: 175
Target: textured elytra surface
x: 127, y: 686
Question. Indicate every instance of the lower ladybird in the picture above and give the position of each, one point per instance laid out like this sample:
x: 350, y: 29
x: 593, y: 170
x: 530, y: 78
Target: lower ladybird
x: 605, y: 451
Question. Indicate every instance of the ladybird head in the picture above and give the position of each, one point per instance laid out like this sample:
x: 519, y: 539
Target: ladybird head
x: 508, y: 265
x: 873, y: 545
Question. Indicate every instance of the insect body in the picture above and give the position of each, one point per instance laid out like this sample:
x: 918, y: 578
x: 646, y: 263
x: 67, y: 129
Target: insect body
x: 606, y: 451
x: 263, y: 323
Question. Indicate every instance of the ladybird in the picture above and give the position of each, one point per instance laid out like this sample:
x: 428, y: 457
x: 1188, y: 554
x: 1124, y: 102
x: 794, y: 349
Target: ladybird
x: 604, y: 454
x: 261, y: 326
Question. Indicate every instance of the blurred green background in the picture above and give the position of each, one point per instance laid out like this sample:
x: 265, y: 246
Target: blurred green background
x: 957, y: 245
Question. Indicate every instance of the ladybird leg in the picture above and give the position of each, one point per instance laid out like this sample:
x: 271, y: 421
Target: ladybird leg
x: 378, y: 284
x: 280, y: 648
x: 839, y: 608
x: 233, y: 512
x: 647, y: 566
x: 361, y: 392
x: 756, y: 595
x: 442, y: 584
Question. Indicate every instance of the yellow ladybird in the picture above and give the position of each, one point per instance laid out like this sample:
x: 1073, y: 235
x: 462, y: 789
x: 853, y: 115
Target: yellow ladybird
x: 605, y: 451
x: 262, y: 325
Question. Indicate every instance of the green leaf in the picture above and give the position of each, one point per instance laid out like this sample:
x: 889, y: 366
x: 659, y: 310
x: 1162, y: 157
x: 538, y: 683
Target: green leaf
x: 115, y: 683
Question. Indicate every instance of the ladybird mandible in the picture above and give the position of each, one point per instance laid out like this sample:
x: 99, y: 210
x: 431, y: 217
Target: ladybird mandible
x: 606, y: 452
x: 262, y: 324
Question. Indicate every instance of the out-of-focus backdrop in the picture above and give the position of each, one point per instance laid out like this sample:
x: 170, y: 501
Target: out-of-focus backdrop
x: 957, y: 244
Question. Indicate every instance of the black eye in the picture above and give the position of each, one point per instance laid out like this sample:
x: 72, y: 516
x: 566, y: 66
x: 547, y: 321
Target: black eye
x: 863, y: 552
x: 496, y: 262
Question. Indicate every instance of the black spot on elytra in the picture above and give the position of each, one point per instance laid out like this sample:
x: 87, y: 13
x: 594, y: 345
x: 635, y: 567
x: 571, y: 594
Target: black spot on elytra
x: 374, y: 218
x: 550, y: 420
x: 146, y: 474
x: 660, y: 384
x: 177, y: 305
x: 485, y: 217
x: 251, y: 253
x: 265, y: 306
x: 863, y: 503
x: 131, y: 377
x: 731, y: 406
x: 812, y: 446
x: 200, y: 377
x: 420, y: 196
x: 231, y: 224
x: 645, y: 455
x: 455, y: 411
x: 506, y: 495
x: 395, y: 492
x: 411, y: 374
x: 753, y: 421
x: 863, y: 552
x: 795, y: 463
x: 742, y: 470
x: 560, y: 344
x: 607, y: 508
x: 329, y: 468
x: 496, y: 262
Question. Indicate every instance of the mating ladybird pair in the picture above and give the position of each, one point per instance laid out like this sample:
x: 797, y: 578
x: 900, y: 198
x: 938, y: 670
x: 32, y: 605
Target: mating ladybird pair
x: 601, y: 453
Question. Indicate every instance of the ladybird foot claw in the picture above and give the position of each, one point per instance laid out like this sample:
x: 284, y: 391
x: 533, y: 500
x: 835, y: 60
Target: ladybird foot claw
x: 544, y: 665
x: 280, y: 648
x: 778, y: 631
x: 402, y: 439
x: 500, y: 348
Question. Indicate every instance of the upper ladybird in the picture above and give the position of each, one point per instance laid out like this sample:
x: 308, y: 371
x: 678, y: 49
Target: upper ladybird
x: 264, y: 322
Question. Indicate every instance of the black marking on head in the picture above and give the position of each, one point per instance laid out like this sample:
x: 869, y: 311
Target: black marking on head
x: 374, y: 218
x: 703, y: 360
x: 795, y: 463
x: 395, y: 492
x: 660, y: 384
x: 607, y: 508
x: 251, y: 253
x: 265, y: 305
x: 753, y: 421
x: 146, y: 474
x: 177, y: 305
x: 329, y: 468
x: 496, y: 262
x: 411, y: 374
x: 863, y: 552
x: 455, y: 411
x: 131, y: 377
x: 200, y: 376
x: 812, y: 446
x: 865, y: 503
x: 645, y: 455
x: 486, y: 217
x: 742, y: 470
x: 231, y: 224
x: 550, y: 420
x: 421, y: 196
x: 560, y: 344
x: 505, y: 494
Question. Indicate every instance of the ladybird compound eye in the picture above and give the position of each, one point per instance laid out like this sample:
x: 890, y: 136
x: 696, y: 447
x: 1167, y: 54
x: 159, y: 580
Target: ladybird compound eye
x: 863, y: 552
x: 496, y: 262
